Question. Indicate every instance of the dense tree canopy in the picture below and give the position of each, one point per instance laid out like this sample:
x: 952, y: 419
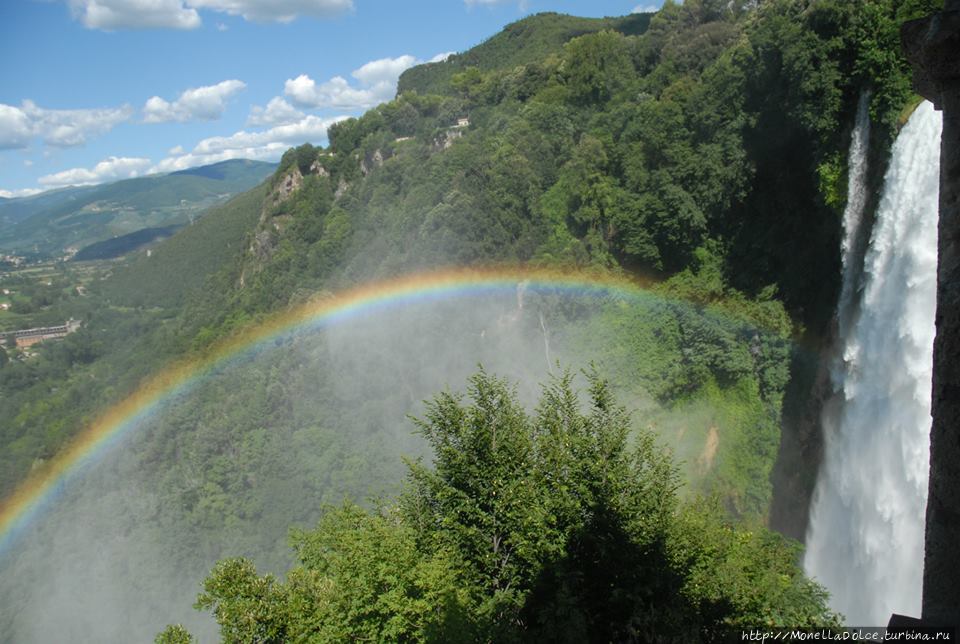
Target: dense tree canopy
x: 545, y: 527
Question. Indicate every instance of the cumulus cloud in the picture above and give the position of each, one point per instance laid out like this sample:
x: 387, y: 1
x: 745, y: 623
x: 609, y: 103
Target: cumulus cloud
x: 377, y: 83
x: 266, y: 144
x: 439, y: 58
x: 16, y: 130
x: 384, y: 70
x: 110, y: 15
x: 277, y: 112
x: 110, y: 169
x: 61, y: 128
x: 16, y: 194
x: 645, y: 8
x: 201, y: 103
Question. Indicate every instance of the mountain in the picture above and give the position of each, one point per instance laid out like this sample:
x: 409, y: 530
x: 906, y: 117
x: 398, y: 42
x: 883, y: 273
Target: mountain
x: 20, y: 208
x: 49, y: 224
x: 527, y: 41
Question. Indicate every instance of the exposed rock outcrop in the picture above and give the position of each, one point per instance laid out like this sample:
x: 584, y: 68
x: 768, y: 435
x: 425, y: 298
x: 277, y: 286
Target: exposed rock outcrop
x: 375, y: 160
x: 288, y: 185
x: 446, y: 139
x: 931, y: 45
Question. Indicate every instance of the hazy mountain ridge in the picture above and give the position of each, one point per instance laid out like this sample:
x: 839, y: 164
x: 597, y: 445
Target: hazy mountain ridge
x: 48, y: 224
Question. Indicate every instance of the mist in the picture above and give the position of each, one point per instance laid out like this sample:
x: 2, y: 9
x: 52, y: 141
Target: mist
x: 309, y: 419
x: 323, y: 414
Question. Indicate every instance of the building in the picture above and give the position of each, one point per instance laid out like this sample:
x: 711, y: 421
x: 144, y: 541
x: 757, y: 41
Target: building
x: 28, y: 337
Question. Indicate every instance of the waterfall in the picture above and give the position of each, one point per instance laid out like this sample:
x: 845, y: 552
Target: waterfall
x: 853, y: 216
x: 865, y: 542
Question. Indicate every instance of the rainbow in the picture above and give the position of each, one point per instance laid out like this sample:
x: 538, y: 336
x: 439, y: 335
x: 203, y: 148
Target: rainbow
x: 42, y: 487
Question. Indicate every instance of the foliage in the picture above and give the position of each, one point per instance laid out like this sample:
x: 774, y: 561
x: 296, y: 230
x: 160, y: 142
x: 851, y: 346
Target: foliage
x: 522, y: 43
x: 174, y: 634
x: 542, y: 528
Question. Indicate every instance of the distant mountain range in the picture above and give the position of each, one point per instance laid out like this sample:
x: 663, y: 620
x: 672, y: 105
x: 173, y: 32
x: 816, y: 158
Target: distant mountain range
x: 67, y: 221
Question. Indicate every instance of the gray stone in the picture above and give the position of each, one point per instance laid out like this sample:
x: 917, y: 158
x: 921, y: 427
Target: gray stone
x: 932, y: 45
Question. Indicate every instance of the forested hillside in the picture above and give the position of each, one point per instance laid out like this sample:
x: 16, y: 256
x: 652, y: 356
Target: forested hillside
x: 699, y: 152
x: 49, y: 224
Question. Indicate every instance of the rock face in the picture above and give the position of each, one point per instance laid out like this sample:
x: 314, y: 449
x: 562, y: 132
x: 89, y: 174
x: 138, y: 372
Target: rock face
x: 932, y: 45
x: 445, y: 140
x: 287, y: 186
x: 375, y: 160
x: 317, y: 168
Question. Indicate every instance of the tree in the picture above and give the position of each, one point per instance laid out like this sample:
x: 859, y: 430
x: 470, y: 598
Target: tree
x: 174, y: 634
x: 550, y: 527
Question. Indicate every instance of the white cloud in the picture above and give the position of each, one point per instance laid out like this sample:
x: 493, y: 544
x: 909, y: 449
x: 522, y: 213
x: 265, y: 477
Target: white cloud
x: 277, y: 112
x: 222, y: 27
x: 377, y: 83
x: 439, y: 58
x: 16, y: 194
x: 110, y: 169
x: 177, y: 149
x: 110, y: 15
x: 336, y: 93
x: 383, y: 70
x: 275, y: 10
x: 645, y: 8
x: 61, y: 128
x: 266, y: 144
x: 201, y: 103
x: 16, y: 130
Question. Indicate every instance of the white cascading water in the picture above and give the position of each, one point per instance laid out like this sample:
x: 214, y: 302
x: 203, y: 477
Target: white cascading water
x: 852, y: 220
x: 865, y: 542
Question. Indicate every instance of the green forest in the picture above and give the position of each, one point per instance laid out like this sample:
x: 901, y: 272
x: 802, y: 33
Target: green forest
x: 699, y: 151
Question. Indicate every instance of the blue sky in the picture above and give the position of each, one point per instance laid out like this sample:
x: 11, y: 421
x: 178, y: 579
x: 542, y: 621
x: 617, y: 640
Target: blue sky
x: 99, y: 90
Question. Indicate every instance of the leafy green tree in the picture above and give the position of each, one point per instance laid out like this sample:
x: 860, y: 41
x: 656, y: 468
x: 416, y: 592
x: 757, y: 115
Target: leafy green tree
x: 174, y: 634
x: 247, y: 607
x: 551, y: 527
x: 597, y: 66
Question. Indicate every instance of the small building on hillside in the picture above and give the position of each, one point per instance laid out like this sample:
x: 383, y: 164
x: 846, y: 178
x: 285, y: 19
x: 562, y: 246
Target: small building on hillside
x: 28, y: 337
